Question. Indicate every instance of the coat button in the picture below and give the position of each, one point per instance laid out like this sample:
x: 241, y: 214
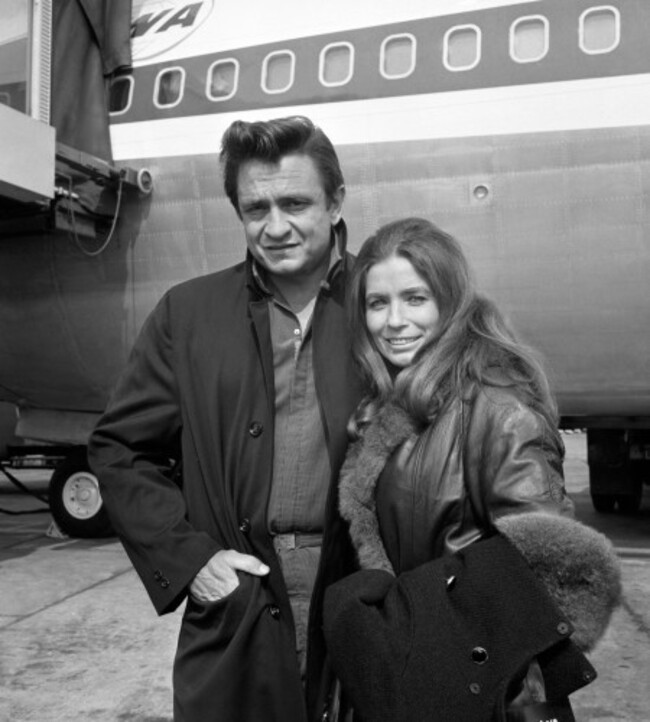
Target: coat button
x: 157, y: 575
x: 274, y: 611
x: 563, y: 628
x: 479, y: 655
x: 450, y: 582
x: 475, y: 688
x: 164, y: 583
x: 245, y: 526
x: 255, y: 429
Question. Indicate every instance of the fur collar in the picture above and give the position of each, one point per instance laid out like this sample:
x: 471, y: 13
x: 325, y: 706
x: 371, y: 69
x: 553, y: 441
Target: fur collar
x: 363, y: 464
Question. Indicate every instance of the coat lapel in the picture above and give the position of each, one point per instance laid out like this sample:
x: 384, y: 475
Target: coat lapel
x: 262, y: 332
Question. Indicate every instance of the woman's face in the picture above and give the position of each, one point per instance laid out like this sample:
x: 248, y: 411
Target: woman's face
x: 401, y: 312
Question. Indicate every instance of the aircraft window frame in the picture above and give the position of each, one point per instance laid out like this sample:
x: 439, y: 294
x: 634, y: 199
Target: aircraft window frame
x: 382, y: 55
x: 581, y: 29
x: 321, y: 64
x: 445, y: 47
x: 156, y: 87
x: 513, y: 28
x: 208, y: 80
x: 292, y: 74
x: 129, y: 102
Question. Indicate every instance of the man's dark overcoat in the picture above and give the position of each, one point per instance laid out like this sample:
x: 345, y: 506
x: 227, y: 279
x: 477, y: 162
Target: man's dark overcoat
x: 199, y: 386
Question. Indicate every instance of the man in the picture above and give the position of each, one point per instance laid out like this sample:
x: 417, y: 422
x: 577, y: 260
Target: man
x: 245, y: 376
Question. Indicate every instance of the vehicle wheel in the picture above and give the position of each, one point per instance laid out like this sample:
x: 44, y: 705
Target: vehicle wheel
x: 630, y: 503
x: 75, y: 501
x: 603, y: 503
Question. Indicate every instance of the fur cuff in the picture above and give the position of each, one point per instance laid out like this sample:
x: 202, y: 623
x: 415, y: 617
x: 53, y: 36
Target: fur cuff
x: 577, y: 565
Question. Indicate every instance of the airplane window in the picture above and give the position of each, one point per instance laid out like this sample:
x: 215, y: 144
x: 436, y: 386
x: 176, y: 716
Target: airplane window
x: 169, y: 87
x: 223, y: 78
x: 397, y: 56
x: 462, y: 47
x: 600, y: 29
x: 336, y: 64
x: 278, y: 71
x: 529, y: 39
x: 120, y: 94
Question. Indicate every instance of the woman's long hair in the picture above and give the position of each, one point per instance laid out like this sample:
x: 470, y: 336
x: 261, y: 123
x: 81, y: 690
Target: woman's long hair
x: 474, y: 345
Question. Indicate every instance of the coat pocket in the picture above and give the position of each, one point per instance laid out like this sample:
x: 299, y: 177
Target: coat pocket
x: 219, y: 619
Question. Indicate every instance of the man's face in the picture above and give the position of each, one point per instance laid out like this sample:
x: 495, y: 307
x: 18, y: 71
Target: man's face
x: 287, y: 218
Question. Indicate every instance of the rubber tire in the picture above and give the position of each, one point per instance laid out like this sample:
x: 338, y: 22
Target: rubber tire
x: 603, y: 503
x: 95, y: 526
x: 630, y: 503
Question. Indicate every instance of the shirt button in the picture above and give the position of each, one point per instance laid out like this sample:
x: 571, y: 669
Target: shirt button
x: 274, y: 611
x: 244, y: 526
x: 296, y: 332
x: 255, y: 429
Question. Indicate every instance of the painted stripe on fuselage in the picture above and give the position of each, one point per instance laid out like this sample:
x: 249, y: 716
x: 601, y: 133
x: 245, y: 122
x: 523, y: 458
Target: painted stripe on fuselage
x: 229, y: 25
x: 545, y: 107
x: 563, y: 61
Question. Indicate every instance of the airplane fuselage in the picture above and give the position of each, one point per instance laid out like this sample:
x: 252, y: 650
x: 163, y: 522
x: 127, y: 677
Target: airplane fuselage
x: 523, y: 128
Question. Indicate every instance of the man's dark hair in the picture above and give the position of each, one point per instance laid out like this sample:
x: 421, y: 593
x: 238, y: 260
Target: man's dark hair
x: 268, y: 141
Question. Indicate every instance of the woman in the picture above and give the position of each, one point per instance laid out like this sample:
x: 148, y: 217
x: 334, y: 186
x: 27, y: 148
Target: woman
x: 456, y: 438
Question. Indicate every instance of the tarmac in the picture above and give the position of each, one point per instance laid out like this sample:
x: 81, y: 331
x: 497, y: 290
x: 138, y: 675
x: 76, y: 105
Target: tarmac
x: 80, y: 641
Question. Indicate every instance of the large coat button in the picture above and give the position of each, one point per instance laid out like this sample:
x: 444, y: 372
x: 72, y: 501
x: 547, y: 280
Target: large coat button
x: 255, y: 429
x: 479, y: 655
